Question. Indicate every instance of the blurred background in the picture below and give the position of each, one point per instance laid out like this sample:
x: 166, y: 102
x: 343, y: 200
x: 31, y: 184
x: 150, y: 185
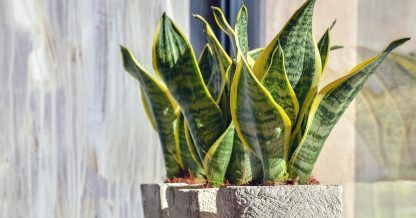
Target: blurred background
x: 75, y: 141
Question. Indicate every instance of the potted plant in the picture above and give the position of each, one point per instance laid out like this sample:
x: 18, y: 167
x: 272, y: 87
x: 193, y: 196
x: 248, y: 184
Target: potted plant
x: 253, y: 124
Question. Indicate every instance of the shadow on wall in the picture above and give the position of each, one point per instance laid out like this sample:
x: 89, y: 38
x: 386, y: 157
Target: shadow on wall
x: 386, y: 140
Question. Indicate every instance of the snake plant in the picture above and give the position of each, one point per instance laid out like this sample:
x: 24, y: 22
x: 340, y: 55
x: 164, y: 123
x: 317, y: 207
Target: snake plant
x: 256, y: 117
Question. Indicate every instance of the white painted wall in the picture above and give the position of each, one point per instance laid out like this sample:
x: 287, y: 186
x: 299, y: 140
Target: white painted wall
x: 74, y: 139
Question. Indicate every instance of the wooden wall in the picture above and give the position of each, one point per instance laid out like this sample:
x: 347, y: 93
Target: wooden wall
x: 74, y: 139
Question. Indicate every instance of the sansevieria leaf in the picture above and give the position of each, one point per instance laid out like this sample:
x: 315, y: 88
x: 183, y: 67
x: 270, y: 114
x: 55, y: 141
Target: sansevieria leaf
x: 174, y: 60
x: 326, y: 110
x: 239, y: 169
x: 303, y: 66
x: 160, y: 106
x: 147, y: 108
x: 191, y: 145
x: 206, y: 63
x: 224, y: 26
x: 223, y: 58
x: 217, y: 158
x: 262, y: 125
x: 183, y: 152
x: 324, y: 46
x: 275, y: 80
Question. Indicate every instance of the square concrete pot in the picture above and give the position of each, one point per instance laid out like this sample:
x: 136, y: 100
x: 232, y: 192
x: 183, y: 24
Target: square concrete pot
x: 256, y: 201
x: 154, y: 200
x: 192, y: 202
x: 280, y: 201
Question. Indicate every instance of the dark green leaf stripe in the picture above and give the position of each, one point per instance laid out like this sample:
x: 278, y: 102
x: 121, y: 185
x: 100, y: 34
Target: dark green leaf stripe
x: 183, y: 152
x: 174, y: 60
x: 326, y: 110
x: 224, y: 26
x: 261, y: 124
x: 275, y: 80
x: 301, y: 62
x: 239, y: 169
x: 218, y: 157
x: 206, y: 63
x: 160, y: 106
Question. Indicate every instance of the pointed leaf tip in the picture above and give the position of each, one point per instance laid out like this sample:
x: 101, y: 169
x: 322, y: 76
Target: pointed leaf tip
x: 396, y: 44
x: 333, y: 24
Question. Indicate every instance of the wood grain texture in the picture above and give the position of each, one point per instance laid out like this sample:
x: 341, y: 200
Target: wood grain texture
x: 75, y: 140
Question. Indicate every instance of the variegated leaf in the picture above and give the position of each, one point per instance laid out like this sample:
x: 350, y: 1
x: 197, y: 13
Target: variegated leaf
x: 161, y: 108
x: 241, y: 36
x: 223, y: 58
x: 327, y: 109
x: 174, y: 60
x: 239, y: 169
x: 276, y: 82
x: 147, y: 108
x: 206, y: 63
x: 303, y: 66
x: 183, y: 152
x: 217, y: 158
x: 191, y: 145
x: 261, y: 124
x: 324, y: 46
x: 224, y: 26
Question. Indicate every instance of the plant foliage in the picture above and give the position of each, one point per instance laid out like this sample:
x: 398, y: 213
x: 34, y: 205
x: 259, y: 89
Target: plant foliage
x: 255, y: 117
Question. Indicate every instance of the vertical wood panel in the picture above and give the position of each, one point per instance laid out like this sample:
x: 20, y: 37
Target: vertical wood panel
x: 75, y: 141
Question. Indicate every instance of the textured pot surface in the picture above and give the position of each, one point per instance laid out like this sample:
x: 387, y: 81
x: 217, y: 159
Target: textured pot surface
x: 280, y: 201
x: 154, y: 200
x: 192, y: 202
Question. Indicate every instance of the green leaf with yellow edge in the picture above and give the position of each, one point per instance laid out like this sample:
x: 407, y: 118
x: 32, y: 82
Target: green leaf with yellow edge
x: 174, y: 60
x: 261, y: 124
x: 183, y: 152
x: 160, y: 106
x: 224, y: 26
x: 223, y: 58
x: 303, y: 66
x: 217, y: 158
x: 324, y: 46
x: 191, y: 145
x: 206, y: 63
x: 276, y: 82
x: 147, y: 108
x: 327, y: 109
x: 253, y: 55
x: 241, y: 36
